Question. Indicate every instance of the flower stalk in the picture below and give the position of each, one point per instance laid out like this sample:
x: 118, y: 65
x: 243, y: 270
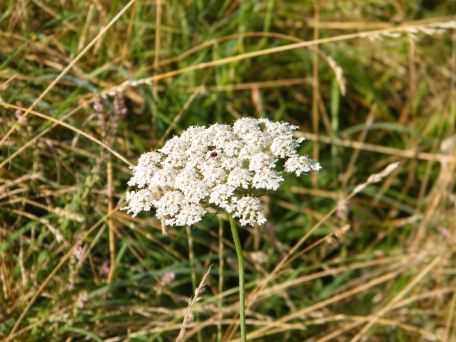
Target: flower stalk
x: 219, y: 168
x: 240, y: 258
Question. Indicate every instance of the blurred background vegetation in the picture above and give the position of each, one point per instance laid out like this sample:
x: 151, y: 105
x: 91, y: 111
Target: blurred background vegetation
x: 87, y: 86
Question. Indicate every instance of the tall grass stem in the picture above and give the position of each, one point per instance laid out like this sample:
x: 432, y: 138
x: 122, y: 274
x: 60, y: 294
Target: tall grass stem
x: 240, y: 257
x: 191, y: 256
x: 221, y: 266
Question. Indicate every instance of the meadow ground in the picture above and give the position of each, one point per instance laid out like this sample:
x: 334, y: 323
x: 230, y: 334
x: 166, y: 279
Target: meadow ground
x: 87, y: 86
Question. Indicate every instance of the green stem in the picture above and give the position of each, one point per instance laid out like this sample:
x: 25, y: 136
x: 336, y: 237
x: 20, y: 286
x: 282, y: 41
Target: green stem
x: 191, y: 256
x: 221, y: 265
x: 238, y: 247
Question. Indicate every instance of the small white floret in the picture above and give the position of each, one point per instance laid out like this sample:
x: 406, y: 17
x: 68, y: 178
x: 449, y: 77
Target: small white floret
x: 301, y: 164
x: 249, y: 212
x: 284, y: 146
x: 239, y: 178
x: 189, y: 214
x: 169, y: 205
x: 261, y: 161
x: 267, y: 179
x: 138, y: 201
x: 221, y: 196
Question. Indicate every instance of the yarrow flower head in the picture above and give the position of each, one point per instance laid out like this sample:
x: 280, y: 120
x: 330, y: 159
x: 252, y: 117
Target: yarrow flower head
x: 218, y: 167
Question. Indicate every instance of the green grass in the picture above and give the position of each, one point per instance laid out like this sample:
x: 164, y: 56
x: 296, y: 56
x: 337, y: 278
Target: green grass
x: 56, y: 251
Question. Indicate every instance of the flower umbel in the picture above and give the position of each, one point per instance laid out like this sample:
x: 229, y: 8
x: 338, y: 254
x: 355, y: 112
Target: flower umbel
x: 220, y: 166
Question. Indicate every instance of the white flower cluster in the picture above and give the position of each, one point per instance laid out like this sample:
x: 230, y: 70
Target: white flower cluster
x: 220, y: 166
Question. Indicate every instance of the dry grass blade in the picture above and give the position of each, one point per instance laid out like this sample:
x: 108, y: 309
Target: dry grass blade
x: 450, y: 319
x: 348, y: 325
x: 397, y: 298
x: 188, y: 312
x: 409, y: 154
x: 375, y: 178
x: 269, y: 51
x: 176, y: 119
x: 291, y: 255
x: 63, y: 124
x: 67, y: 68
x: 62, y: 262
x: 334, y: 299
